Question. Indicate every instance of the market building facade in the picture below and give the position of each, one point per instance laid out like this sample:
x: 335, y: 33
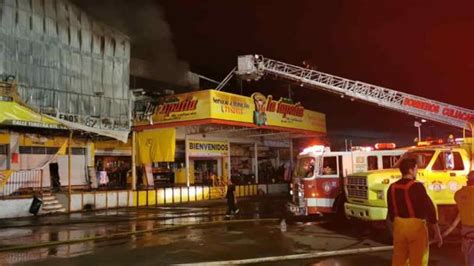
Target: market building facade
x: 212, y: 137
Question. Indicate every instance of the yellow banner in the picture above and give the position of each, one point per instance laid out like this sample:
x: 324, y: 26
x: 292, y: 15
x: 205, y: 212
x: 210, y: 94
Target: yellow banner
x: 4, y: 176
x: 15, y: 114
x: 208, y: 148
x: 156, y: 145
x: 256, y: 110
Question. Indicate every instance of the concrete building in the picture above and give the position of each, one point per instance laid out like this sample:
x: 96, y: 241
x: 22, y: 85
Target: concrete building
x: 67, y: 64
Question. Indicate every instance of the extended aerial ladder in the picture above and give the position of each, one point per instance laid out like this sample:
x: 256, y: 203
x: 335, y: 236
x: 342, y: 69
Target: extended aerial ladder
x: 253, y: 67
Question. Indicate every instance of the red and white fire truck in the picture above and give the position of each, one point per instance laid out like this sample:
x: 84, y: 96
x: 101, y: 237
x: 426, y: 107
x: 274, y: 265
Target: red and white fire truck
x: 317, y: 185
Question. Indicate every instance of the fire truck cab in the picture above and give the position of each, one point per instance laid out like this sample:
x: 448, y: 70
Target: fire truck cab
x: 317, y: 184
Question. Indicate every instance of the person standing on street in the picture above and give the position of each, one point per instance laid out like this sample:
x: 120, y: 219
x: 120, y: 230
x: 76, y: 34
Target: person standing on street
x: 409, y: 208
x: 231, y: 209
x: 465, y: 200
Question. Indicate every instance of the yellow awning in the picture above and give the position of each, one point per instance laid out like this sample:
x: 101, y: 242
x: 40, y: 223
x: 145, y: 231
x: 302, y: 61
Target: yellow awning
x: 14, y: 114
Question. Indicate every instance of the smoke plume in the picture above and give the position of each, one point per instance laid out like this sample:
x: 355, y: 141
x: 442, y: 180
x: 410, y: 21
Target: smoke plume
x: 150, y: 35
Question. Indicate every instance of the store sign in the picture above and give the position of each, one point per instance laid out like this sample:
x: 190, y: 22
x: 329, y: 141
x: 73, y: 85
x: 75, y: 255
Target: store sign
x: 265, y: 105
x: 258, y: 110
x: 438, y: 109
x: 94, y: 122
x: 208, y: 148
x: 22, y: 123
x: 178, y: 106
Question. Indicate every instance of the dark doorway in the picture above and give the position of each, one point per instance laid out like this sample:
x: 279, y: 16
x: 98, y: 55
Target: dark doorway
x: 55, y: 179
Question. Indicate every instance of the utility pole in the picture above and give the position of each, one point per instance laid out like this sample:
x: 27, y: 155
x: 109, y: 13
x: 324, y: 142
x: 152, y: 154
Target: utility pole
x: 290, y: 92
x: 241, y: 86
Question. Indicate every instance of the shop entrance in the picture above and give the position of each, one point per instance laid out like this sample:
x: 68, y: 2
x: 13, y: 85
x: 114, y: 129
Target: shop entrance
x: 116, y: 168
x: 207, y: 171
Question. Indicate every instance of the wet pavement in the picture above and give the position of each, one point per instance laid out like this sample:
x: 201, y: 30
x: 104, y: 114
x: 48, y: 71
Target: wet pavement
x: 211, y: 242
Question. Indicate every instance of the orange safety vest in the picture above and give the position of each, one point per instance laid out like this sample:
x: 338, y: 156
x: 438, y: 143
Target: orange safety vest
x: 405, y: 188
x: 465, y: 200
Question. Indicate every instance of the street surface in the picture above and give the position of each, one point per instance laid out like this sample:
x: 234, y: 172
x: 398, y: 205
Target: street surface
x: 195, y: 244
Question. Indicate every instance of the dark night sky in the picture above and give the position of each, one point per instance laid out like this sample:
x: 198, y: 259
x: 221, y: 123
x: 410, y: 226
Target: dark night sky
x: 419, y: 47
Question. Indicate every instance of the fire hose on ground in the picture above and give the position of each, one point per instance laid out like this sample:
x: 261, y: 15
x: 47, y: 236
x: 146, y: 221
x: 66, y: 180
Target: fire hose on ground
x: 314, y: 255
x: 310, y: 255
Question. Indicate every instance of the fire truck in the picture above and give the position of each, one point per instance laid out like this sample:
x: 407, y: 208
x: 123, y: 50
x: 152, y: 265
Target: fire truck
x: 367, y: 191
x: 442, y: 168
x: 316, y: 186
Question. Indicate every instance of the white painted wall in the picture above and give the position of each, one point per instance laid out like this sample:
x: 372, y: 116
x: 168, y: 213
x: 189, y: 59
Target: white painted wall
x: 79, y: 167
x: 79, y: 170
x: 14, y: 208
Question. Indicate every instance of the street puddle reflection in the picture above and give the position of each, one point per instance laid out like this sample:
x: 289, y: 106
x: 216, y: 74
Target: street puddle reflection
x: 145, y: 220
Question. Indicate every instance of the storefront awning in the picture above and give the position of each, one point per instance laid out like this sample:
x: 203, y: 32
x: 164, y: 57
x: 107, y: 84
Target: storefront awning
x: 15, y: 114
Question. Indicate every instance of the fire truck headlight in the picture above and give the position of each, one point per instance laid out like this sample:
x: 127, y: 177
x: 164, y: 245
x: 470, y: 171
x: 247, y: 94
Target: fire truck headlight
x: 291, y: 192
x: 386, y: 181
x: 300, y: 194
x: 380, y: 195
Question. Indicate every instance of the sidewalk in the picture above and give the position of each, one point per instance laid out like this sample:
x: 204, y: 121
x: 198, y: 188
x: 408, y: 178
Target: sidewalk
x: 193, y: 209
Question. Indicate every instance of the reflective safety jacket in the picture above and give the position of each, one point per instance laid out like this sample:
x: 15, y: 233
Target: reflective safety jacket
x: 465, y: 200
x: 408, y: 198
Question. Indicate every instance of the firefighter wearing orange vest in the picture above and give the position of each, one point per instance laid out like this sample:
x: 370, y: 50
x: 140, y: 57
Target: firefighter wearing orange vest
x: 409, y: 208
x: 465, y: 200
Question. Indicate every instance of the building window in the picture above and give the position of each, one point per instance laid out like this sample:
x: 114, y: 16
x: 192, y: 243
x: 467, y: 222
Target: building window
x: 389, y: 161
x: 3, y: 149
x: 330, y: 166
x: 449, y: 161
x: 372, y: 163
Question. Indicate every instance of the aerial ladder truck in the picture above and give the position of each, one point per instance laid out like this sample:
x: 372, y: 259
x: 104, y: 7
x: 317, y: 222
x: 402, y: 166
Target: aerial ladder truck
x: 444, y: 167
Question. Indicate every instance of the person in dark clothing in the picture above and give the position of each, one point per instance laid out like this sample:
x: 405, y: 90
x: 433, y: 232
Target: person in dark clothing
x: 231, y: 208
x: 409, y: 208
x: 54, y: 174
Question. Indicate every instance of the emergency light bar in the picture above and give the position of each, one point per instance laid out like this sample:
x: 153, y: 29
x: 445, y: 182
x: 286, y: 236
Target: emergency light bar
x: 385, y: 146
x: 315, y: 149
x: 430, y: 142
x: 362, y: 148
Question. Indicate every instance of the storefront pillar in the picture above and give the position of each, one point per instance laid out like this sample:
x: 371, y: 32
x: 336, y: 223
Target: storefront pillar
x: 291, y: 155
x: 69, y: 168
x: 255, y: 149
x: 134, y: 162
x: 186, y: 154
x: 229, y: 166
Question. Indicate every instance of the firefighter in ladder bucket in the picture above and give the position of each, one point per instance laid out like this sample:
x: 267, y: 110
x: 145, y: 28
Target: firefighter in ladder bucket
x: 409, y: 208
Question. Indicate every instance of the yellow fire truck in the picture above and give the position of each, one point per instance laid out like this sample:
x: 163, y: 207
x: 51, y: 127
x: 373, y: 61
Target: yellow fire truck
x: 442, y: 169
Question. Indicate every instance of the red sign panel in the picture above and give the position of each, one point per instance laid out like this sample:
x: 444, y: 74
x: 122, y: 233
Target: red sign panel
x: 445, y: 111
